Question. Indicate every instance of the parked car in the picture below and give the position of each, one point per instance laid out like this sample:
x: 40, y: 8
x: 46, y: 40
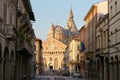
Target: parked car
x: 76, y: 75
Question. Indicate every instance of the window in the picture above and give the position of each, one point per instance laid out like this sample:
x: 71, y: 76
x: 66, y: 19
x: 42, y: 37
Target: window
x: 56, y: 63
x: 105, y: 39
x: 111, y: 11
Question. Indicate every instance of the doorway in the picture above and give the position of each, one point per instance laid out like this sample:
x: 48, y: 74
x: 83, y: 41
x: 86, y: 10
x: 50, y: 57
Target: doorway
x: 51, y: 67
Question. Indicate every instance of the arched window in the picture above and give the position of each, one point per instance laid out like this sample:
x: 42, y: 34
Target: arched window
x: 107, y: 68
x: 112, y: 69
x: 56, y: 63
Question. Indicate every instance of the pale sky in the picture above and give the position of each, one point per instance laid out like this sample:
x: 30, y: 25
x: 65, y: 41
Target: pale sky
x: 56, y: 11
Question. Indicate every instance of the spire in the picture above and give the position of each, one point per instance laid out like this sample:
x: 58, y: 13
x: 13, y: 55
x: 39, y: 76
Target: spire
x: 70, y: 13
x: 52, y: 26
x: 70, y: 24
x: 51, y: 31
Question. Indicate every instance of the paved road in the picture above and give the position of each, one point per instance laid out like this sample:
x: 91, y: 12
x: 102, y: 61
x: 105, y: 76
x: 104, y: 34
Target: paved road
x: 57, y: 78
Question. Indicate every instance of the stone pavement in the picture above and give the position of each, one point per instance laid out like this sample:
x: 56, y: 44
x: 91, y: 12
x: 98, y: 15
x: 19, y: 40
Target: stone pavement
x: 57, y: 78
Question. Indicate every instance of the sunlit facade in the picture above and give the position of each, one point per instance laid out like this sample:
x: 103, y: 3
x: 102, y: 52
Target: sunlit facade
x: 54, y: 47
x: 38, y: 57
x: 95, y: 13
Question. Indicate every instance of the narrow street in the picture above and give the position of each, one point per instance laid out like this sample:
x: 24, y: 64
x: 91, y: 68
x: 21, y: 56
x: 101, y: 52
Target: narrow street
x: 59, y: 39
x: 57, y: 78
x: 53, y: 76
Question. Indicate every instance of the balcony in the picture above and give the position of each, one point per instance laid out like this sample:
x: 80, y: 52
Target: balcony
x: 9, y: 31
x: 25, y: 48
x: 24, y: 18
x: 99, y: 51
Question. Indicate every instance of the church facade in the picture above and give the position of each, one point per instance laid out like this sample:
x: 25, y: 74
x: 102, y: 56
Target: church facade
x: 56, y: 44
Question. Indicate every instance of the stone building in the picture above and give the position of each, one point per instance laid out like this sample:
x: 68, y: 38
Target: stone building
x: 55, y: 47
x: 101, y: 49
x: 114, y: 40
x: 74, y: 54
x: 16, y: 39
x: 82, y: 44
x: 38, y: 56
x: 96, y: 11
x: 7, y: 44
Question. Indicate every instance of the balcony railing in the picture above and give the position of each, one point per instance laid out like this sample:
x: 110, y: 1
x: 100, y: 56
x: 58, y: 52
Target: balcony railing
x: 25, y: 47
x: 9, y: 31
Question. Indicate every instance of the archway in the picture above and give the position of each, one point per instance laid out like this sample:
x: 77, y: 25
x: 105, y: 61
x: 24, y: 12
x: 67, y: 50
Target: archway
x: 50, y: 66
x: 116, y: 71
x: 107, y: 68
x: 98, y: 69
x: 6, y: 64
x: 56, y: 63
x: 112, y: 68
x: 12, y: 64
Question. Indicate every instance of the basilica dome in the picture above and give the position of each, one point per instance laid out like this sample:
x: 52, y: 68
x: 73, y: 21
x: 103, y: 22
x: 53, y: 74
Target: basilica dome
x: 59, y: 30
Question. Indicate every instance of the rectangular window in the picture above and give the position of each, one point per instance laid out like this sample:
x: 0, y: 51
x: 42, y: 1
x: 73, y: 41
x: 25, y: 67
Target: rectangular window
x: 115, y: 6
x: 105, y: 39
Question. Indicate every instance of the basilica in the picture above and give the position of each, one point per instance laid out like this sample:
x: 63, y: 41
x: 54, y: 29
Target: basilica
x: 54, y: 47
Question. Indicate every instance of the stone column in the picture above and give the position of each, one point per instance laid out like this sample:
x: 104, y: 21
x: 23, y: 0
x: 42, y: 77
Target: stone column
x: 111, y: 71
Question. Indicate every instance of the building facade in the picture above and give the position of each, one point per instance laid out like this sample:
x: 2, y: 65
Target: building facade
x: 38, y: 56
x: 101, y: 50
x: 74, y: 54
x: 15, y: 45
x: 97, y: 11
x: 7, y: 45
x: 55, y: 47
x: 82, y: 49
x: 114, y: 40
